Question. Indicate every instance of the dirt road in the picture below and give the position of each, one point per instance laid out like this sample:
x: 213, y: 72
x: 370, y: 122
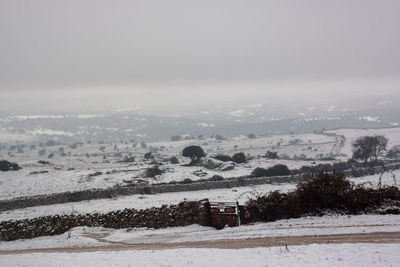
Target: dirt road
x: 378, y: 237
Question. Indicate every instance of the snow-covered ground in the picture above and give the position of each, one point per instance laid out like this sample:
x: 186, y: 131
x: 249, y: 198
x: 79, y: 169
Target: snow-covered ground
x: 71, y: 172
x: 306, y: 226
x: 309, y: 255
x: 61, y: 177
x: 352, y: 254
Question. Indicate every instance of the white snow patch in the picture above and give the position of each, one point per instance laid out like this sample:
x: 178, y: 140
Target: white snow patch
x: 369, y: 118
x: 306, y: 255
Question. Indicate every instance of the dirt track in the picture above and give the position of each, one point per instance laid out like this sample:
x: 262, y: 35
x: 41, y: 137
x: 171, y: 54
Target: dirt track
x: 378, y: 237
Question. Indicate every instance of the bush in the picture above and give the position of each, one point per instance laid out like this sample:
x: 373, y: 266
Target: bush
x: 216, y: 178
x: 187, y: 181
x: 127, y: 160
x: 273, y: 206
x: 148, y: 155
x: 271, y: 155
x: 219, y: 137
x: 276, y: 170
x: 251, y: 136
x: 175, y: 138
x: 223, y: 158
x: 324, y: 192
x: 50, y: 143
x: 94, y: 174
x: 239, y: 158
x: 174, y: 160
x: 153, y: 172
x: 41, y: 152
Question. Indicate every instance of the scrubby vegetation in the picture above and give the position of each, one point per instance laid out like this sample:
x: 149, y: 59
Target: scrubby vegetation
x: 174, y: 160
x: 276, y: 170
x: 153, y: 171
x: 127, y: 159
x: 239, y: 158
x: 324, y: 193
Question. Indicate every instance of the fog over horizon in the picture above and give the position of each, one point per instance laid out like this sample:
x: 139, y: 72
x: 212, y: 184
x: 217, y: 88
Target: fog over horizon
x: 178, y: 57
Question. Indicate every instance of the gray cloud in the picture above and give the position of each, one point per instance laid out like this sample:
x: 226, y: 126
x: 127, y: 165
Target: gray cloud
x: 149, y: 45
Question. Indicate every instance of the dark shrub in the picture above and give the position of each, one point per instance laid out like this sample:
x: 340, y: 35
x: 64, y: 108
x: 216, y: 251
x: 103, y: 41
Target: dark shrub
x: 73, y: 146
x: 273, y: 206
x: 276, y: 170
x: 174, y: 160
x: 216, y: 178
x: 128, y: 159
x: 316, y: 169
x: 50, y: 143
x: 41, y: 152
x: 143, y: 144
x: 340, y: 167
x: 219, y: 137
x: 146, y: 190
x: 95, y: 174
x: 148, y: 155
x: 239, y: 158
x: 323, y: 191
x: 251, y: 136
x: 187, y: 181
x: 153, y: 171
x: 259, y: 172
x: 271, y: 155
x: 224, y: 158
x: 279, y: 170
x: 175, y: 138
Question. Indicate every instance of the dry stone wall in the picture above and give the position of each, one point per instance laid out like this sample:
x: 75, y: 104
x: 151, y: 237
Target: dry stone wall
x: 185, y: 213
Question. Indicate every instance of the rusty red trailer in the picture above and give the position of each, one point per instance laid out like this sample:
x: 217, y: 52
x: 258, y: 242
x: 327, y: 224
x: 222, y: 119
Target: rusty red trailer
x: 225, y: 214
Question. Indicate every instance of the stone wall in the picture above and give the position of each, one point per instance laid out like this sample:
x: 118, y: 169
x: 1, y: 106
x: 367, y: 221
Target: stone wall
x: 185, y: 213
x: 65, y: 197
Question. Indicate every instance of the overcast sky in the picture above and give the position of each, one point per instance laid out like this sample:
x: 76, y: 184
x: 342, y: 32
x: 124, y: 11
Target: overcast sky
x: 157, y: 52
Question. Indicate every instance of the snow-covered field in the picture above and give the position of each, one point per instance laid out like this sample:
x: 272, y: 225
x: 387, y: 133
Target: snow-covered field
x: 308, y: 255
x: 306, y: 226
x: 305, y: 255
x: 72, y: 171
